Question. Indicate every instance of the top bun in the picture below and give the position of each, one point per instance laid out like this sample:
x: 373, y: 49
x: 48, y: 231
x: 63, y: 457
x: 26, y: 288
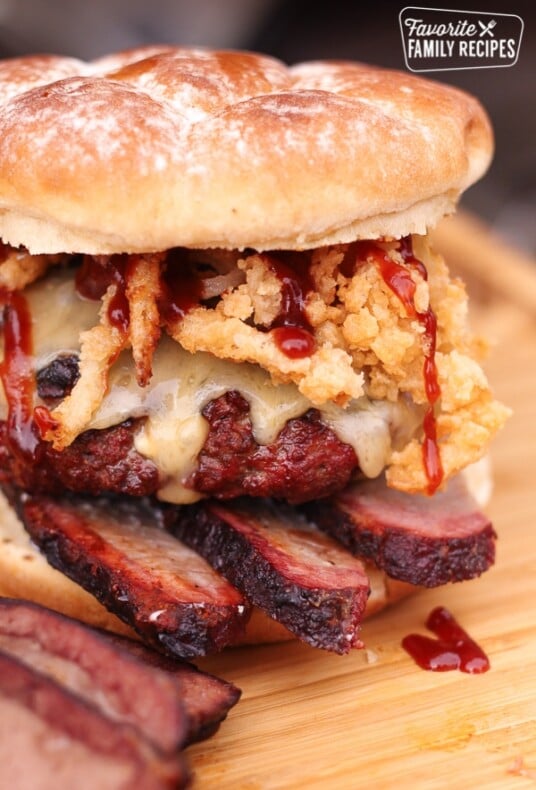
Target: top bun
x: 161, y: 147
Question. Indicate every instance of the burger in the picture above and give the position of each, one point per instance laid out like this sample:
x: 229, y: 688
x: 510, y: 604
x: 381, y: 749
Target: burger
x: 235, y: 373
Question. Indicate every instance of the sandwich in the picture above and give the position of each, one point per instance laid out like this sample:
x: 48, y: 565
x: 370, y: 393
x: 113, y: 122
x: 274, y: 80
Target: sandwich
x: 236, y: 376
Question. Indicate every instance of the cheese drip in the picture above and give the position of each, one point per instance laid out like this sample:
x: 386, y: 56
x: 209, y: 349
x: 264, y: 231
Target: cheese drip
x: 174, y: 429
x: 181, y: 386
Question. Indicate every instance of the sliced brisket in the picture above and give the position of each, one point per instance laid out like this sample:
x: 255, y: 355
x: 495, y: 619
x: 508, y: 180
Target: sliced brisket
x: 117, y: 550
x: 422, y: 540
x: 169, y: 702
x: 283, y: 565
x: 207, y: 699
x: 52, y: 739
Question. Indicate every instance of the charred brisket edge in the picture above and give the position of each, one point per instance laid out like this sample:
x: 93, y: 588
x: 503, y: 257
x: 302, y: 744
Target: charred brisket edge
x: 187, y: 632
x: 63, y: 710
x: 204, y: 715
x: 315, y: 615
x: 413, y: 558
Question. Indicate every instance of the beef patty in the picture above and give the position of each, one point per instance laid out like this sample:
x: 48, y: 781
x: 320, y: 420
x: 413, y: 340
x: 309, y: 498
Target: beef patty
x: 306, y: 461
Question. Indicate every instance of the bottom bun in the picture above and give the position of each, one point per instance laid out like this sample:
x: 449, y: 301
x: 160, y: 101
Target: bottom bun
x: 25, y: 573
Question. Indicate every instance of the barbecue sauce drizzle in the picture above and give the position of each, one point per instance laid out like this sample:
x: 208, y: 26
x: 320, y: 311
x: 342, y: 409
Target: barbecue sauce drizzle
x: 453, y: 650
x: 180, y: 286
x: 181, y: 292
x: 18, y: 377
x: 291, y: 329
x: 181, y: 289
x: 399, y: 280
x: 94, y: 278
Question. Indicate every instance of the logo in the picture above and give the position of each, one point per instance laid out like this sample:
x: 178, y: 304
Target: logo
x: 437, y: 39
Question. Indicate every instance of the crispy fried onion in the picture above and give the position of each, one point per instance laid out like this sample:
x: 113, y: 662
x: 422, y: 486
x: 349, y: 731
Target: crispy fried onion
x: 366, y: 342
x: 140, y: 278
x: 101, y: 345
x: 18, y: 268
x: 99, y: 348
x: 143, y: 287
x: 215, y: 286
x: 217, y: 271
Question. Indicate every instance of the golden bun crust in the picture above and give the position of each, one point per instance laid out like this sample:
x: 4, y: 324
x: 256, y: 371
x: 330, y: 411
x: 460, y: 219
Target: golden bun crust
x: 24, y: 573
x: 161, y: 147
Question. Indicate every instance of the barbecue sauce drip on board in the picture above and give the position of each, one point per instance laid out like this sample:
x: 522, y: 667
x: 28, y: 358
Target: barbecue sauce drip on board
x: 18, y: 377
x: 291, y: 329
x: 453, y: 650
x: 398, y: 278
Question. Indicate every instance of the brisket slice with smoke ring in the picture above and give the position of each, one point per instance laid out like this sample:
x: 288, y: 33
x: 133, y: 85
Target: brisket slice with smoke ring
x: 51, y: 736
x: 122, y: 552
x: 85, y: 662
x: 118, y: 551
x: 173, y: 598
x: 206, y: 698
x: 282, y: 564
x: 422, y: 540
x: 169, y: 702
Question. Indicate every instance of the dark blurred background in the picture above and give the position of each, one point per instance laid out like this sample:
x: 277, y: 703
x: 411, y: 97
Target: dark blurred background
x: 297, y: 30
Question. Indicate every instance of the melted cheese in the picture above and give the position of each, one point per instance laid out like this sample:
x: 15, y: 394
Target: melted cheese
x: 181, y: 386
x: 373, y: 429
x: 174, y: 431
x: 59, y: 315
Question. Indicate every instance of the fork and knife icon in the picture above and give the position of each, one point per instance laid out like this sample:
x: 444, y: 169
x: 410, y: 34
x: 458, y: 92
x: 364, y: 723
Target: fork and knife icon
x: 486, y: 29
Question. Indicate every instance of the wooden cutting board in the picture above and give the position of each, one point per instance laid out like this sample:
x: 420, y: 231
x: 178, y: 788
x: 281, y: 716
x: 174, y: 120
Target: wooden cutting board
x: 373, y: 719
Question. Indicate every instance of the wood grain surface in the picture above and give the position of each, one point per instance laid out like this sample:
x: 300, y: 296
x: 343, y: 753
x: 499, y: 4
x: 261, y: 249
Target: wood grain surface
x: 373, y: 719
